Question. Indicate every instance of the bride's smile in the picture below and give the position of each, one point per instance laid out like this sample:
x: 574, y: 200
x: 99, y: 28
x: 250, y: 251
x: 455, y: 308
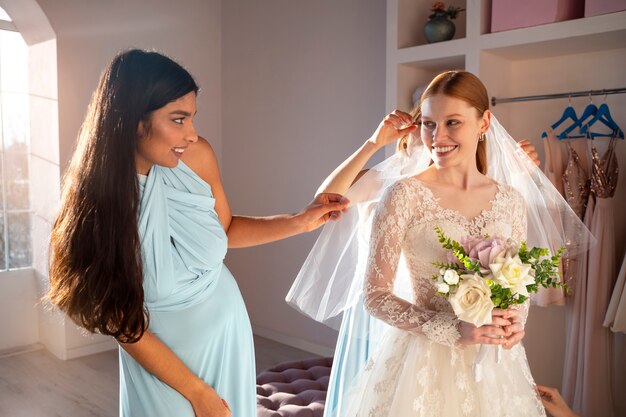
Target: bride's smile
x: 451, y: 128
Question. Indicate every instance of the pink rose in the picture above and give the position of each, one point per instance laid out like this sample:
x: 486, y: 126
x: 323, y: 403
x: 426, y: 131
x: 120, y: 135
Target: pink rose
x: 438, y: 6
x: 485, y: 250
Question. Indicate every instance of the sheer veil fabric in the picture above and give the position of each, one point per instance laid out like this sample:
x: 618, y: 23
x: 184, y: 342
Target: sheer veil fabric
x: 331, y: 278
x: 330, y: 285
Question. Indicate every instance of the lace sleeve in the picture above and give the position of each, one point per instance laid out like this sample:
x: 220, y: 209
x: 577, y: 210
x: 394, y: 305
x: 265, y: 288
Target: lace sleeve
x: 519, y: 233
x: 392, y: 218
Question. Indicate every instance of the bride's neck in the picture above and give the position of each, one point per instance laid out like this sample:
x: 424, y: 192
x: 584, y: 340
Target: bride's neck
x: 461, y: 178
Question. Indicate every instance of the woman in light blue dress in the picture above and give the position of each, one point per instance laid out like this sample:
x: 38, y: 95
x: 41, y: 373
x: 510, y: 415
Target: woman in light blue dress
x: 137, y: 248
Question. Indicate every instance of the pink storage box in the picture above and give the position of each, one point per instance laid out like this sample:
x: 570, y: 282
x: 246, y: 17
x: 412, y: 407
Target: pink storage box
x: 596, y: 7
x: 514, y: 14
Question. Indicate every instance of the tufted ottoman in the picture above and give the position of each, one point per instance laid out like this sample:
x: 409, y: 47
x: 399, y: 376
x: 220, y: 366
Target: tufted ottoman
x: 293, y: 389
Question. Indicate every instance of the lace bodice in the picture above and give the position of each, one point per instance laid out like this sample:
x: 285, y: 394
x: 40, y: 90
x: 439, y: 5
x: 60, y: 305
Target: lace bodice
x: 403, y: 227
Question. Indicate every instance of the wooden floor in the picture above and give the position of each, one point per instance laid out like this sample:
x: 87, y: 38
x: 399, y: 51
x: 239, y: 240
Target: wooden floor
x: 36, y: 384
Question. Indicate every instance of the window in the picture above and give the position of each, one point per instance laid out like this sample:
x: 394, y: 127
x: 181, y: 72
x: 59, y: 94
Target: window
x: 15, y: 208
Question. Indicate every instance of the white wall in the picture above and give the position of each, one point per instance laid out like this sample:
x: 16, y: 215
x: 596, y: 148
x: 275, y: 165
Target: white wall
x: 18, y: 319
x: 303, y: 86
x: 90, y: 33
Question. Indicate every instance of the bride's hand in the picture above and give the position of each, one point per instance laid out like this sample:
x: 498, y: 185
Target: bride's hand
x: 489, y: 334
x: 515, y: 331
x: 394, y: 126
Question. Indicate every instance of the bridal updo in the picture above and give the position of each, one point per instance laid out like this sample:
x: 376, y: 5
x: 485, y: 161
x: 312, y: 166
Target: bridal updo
x: 468, y: 87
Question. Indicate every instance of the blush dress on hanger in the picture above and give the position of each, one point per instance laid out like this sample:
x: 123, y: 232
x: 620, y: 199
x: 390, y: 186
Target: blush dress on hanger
x: 587, y: 381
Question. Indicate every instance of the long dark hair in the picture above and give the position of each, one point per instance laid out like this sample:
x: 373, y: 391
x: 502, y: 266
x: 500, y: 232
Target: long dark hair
x: 96, y: 271
x: 468, y: 87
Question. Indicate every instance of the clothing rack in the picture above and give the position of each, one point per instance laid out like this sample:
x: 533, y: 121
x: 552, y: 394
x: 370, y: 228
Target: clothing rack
x: 588, y: 93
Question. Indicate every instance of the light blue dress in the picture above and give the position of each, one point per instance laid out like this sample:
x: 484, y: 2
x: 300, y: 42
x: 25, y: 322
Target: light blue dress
x: 195, y: 306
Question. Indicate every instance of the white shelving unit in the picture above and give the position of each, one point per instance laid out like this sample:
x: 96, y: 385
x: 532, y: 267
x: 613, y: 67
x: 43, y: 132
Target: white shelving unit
x: 412, y: 62
x: 576, y: 55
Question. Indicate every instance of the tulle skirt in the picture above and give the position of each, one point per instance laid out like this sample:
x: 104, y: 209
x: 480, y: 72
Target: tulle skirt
x: 409, y: 375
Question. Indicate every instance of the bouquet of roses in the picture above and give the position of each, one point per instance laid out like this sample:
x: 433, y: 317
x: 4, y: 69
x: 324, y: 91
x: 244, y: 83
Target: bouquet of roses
x: 483, y: 273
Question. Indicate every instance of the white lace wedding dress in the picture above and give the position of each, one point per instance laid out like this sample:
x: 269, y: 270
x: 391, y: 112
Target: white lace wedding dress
x: 418, y: 369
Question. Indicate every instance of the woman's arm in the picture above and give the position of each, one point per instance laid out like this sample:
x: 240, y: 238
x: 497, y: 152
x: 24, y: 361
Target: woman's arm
x: 388, y: 131
x: 246, y: 231
x: 250, y: 231
x: 349, y: 170
x: 158, y: 359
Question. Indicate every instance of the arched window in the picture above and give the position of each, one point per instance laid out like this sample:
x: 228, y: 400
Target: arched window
x: 15, y: 206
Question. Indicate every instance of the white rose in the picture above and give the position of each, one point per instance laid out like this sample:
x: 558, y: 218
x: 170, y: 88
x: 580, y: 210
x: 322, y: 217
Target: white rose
x: 511, y: 273
x: 443, y: 288
x: 471, y: 302
x: 451, y: 277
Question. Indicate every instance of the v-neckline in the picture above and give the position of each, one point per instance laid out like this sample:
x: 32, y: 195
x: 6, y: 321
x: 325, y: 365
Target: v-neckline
x: 456, y: 213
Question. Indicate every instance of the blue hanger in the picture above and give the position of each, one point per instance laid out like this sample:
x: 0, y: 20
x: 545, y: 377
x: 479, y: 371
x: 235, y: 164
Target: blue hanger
x: 590, y: 111
x: 568, y: 113
x: 604, y: 116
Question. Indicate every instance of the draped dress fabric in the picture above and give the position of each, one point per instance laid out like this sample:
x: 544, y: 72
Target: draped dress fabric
x: 575, y: 180
x: 417, y: 369
x: 554, y: 160
x: 587, y: 378
x: 554, y: 168
x: 616, y: 314
x: 616, y: 320
x: 194, y: 303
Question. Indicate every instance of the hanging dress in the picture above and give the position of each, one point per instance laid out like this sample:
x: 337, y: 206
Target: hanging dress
x: 554, y: 160
x: 587, y: 384
x: 616, y: 314
x: 616, y: 320
x: 194, y: 303
x: 575, y: 186
x: 553, y: 169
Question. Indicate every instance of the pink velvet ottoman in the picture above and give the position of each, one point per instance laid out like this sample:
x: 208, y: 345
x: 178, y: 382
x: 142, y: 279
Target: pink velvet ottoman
x: 293, y: 389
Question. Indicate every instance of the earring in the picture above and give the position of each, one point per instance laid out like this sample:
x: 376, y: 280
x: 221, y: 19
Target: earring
x: 482, y: 137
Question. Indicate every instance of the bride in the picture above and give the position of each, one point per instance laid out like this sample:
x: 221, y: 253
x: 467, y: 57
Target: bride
x: 401, y: 350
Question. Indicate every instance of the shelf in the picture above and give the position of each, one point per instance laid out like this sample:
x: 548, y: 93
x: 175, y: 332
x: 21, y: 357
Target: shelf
x: 413, y: 15
x: 437, y: 65
x: 598, y: 33
x: 570, y: 55
x: 430, y: 52
x: 590, y: 34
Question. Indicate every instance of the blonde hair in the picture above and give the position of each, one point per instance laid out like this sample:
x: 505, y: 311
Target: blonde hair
x: 467, y: 87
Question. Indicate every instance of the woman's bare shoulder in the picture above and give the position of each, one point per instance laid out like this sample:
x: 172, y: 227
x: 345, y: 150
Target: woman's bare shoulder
x: 201, y: 158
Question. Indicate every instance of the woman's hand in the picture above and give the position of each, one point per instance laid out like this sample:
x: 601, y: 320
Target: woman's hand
x: 206, y: 403
x: 530, y: 150
x: 553, y: 402
x: 394, y: 126
x: 515, y: 331
x: 324, y: 207
x: 489, y: 334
